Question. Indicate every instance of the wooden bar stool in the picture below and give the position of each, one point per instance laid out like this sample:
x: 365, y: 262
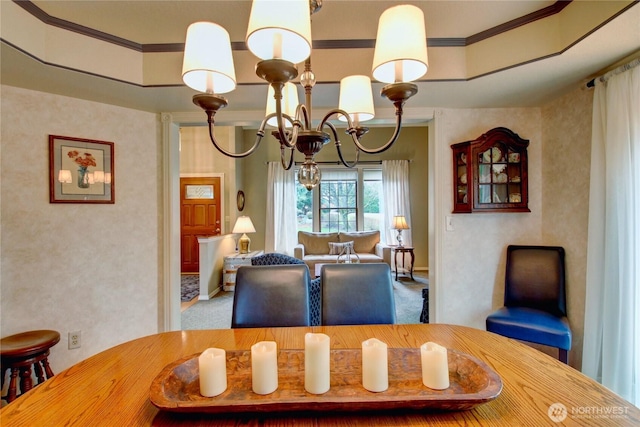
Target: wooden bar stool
x: 18, y: 352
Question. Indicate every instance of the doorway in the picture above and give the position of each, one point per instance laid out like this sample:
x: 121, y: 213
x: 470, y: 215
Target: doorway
x: 199, y: 217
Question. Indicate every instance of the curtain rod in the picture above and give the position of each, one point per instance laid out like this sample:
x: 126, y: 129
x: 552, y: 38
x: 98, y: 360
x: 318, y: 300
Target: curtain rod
x: 337, y: 162
x: 603, y: 78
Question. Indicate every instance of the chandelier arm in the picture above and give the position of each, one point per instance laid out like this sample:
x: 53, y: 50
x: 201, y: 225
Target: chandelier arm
x: 382, y: 148
x: 259, y: 136
x: 288, y: 139
x: 338, y: 144
x: 285, y: 166
x: 301, y: 110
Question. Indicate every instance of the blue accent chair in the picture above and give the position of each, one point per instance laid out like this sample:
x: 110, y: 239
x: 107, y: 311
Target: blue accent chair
x: 275, y: 258
x: 535, y: 307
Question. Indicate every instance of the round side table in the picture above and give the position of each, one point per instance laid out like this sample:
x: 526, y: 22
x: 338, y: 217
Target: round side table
x: 19, y: 352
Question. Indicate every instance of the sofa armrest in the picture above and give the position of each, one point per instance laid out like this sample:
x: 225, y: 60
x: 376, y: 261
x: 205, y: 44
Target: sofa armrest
x: 384, y: 252
x: 298, y: 251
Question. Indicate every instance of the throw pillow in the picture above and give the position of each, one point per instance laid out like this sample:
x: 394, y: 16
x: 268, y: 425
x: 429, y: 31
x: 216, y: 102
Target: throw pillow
x: 337, y: 248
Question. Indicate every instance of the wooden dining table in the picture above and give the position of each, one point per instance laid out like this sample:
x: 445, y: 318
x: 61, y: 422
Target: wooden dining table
x: 114, y: 387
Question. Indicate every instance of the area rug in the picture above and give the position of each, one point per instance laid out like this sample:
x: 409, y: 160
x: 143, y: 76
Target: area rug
x: 215, y: 313
x: 189, y: 287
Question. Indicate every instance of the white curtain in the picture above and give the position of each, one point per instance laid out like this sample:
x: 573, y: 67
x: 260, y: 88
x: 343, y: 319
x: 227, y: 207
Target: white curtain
x: 281, y: 233
x: 611, y: 351
x: 396, y: 199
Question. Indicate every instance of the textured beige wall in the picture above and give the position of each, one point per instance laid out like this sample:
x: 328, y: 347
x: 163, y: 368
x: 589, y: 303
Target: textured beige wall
x: 566, y: 159
x: 70, y: 267
x: 471, y: 279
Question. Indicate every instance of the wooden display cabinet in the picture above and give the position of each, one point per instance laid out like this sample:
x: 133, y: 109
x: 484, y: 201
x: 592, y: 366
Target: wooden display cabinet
x: 490, y: 173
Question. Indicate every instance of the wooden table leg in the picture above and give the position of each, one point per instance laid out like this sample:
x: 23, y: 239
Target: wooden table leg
x: 413, y: 258
x: 396, y: 264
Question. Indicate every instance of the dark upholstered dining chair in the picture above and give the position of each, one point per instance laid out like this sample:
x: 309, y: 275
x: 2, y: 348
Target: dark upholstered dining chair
x: 535, y: 308
x: 271, y: 296
x: 357, y: 294
x: 275, y: 258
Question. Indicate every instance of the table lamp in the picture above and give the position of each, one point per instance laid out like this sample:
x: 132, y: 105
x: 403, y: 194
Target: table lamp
x: 244, y: 226
x: 400, y: 223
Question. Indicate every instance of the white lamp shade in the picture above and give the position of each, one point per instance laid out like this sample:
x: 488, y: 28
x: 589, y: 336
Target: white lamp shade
x: 98, y: 176
x: 280, y: 29
x: 356, y: 98
x: 401, y: 45
x: 107, y: 178
x: 400, y: 223
x: 243, y: 225
x: 208, y: 64
x: 64, y: 176
x: 289, y: 103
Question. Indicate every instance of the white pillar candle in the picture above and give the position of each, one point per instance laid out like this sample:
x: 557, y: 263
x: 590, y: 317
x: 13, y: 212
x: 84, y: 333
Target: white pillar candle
x: 213, y: 372
x: 316, y: 363
x: 435, y: 366
x: 264, y: 367
x: 375, y: 368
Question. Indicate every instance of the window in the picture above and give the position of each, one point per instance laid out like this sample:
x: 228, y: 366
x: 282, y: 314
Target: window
x: 372, y: 206
x: 345, y: 200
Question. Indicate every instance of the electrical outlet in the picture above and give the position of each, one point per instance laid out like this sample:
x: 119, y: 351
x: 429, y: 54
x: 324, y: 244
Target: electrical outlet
x: 74, y: 339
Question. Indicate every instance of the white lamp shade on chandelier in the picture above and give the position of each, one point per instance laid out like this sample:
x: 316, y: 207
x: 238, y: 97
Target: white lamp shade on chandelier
x: 356, y: 98
x: 279, y: 33
x: 401, y: 47
x: 208, y: 64
x: 280, y: 30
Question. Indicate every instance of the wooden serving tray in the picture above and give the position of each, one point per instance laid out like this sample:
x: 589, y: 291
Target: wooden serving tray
x: 472, y: 382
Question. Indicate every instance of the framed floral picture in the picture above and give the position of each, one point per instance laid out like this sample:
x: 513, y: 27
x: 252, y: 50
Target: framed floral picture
x: 80, y: 170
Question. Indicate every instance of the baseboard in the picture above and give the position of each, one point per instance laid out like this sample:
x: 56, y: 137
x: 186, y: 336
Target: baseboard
x: 211, y: 295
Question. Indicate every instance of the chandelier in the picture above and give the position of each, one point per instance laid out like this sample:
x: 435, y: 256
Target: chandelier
x: 279, y: 33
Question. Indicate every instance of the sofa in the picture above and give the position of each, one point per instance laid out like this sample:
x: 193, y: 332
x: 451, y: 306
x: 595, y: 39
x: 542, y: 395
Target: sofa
x: 324, y: 248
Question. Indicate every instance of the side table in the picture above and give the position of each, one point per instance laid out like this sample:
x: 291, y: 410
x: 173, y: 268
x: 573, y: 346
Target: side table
x: 403, y: 250
x: 231, y: 264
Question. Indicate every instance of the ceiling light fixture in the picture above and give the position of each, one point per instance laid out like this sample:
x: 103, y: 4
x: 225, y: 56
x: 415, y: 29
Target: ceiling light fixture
x: 279, y: 33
